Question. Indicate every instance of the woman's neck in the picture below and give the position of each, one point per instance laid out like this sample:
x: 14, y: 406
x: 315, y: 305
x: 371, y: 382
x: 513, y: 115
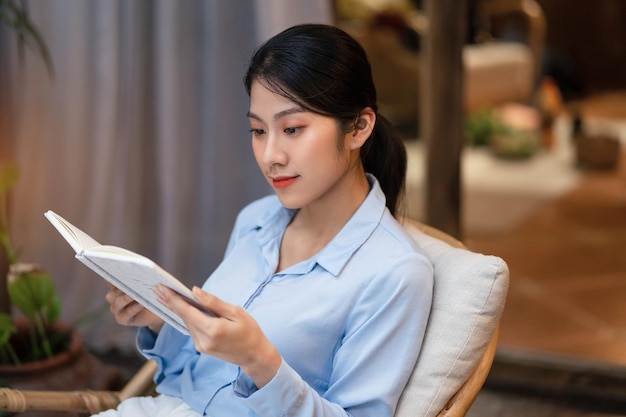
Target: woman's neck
x: 315, y: 225
x: 329, y: 215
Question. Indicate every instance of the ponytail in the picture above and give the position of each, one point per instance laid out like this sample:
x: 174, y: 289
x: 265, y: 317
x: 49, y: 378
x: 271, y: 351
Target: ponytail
x: 384, y: 156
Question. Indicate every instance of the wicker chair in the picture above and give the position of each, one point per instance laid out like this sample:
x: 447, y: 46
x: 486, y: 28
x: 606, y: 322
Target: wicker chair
x: 452, y: 386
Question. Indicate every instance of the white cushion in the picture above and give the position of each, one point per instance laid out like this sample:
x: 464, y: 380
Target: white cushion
x: 469, y: 295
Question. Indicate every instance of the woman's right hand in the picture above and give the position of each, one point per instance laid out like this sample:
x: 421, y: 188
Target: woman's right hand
x: 129, y: 312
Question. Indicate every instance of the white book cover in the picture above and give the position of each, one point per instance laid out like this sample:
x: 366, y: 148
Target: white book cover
x: 130, y: 272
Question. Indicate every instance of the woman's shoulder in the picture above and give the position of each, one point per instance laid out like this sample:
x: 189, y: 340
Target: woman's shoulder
x: 392, y: 260
x: 392, y: 247
x: 391, y: 230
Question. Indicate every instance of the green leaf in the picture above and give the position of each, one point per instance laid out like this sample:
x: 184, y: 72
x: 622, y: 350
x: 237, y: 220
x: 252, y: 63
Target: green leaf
x: 480, y: 127
x: 15, y: 15
x: 7, y: 328
x: 9, y: 175
x: 53, y: 309
x: 33, y: 293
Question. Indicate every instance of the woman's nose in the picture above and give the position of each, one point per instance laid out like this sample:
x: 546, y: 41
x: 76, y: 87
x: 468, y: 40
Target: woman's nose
x: 274, y: 152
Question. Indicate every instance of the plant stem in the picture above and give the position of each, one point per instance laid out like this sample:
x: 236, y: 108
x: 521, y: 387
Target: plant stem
x: 45, y: 342
x: 9, y: 352
x: 34, y: 345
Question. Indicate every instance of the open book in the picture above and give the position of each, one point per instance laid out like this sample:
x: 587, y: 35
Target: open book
x: 132, y: 273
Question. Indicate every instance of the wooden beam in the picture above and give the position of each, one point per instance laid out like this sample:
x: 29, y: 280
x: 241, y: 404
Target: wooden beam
x: 442, y: 114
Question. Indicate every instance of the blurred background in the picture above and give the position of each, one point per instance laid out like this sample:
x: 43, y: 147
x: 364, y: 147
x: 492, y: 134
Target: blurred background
x: 134, y: 129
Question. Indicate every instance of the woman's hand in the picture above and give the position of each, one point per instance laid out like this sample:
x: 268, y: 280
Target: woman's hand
x: 128, y: 312
x: 233, y: 335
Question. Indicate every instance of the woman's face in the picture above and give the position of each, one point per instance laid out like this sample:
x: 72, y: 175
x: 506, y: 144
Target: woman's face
x: 304, y: 156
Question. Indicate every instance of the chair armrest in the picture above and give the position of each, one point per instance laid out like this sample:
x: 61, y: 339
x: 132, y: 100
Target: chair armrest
x: 83, y: 401
x: 141, y: 383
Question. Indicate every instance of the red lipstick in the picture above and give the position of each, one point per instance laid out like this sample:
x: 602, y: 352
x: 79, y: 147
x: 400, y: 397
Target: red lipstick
x: 282, y: 182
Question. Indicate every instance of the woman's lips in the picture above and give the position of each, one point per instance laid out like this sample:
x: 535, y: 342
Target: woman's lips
x: 281, y: 182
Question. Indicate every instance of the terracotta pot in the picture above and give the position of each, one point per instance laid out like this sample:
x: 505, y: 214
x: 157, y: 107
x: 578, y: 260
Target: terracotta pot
x: 63, y: 358
x: 73, y: 369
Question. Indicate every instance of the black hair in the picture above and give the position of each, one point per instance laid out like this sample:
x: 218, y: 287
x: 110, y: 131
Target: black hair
x: 326, y: 71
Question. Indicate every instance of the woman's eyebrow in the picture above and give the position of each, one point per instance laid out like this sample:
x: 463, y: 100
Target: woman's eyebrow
x: 253, y: 116
x: 280, y: 114
x: 287, y: 112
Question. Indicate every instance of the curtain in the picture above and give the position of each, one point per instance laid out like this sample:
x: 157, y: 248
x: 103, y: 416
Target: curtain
x: 139, y: 137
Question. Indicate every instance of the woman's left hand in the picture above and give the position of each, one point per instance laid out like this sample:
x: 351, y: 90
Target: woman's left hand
x: 232, y: 335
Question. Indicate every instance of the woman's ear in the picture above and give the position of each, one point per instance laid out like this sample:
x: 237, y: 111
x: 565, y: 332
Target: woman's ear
x: 363, y: 127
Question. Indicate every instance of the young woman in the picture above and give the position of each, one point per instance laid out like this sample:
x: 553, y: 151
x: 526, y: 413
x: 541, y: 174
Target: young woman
x: 321, y: 301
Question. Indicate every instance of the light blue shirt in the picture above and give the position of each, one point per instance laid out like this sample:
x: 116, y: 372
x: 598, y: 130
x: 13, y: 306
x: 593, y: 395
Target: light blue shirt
x: 348, y: 322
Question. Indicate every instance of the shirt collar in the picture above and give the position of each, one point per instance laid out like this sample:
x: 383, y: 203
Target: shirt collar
x: 339, y: 250
x: 358, y: 229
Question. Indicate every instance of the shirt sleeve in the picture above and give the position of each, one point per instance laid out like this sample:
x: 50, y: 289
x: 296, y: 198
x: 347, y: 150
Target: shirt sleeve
x: 170, y: 349
x: 373, y: 363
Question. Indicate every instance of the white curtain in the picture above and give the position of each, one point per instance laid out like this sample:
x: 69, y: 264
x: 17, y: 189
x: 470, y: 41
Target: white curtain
x: 139, y: 138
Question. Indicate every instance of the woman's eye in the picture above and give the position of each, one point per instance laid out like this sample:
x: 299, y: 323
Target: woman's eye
x: 292, y: 130
x: 257, y: 132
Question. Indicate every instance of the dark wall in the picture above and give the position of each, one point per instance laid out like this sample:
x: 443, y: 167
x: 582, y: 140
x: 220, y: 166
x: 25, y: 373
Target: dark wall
x: 586, y: 44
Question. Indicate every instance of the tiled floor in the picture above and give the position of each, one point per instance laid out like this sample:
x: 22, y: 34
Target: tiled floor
x: 567, y: 295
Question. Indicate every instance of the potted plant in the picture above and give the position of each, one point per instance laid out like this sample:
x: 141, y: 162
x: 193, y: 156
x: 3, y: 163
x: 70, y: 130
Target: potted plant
x: 510, y: 131
x: 37, y: 351
x: 33, y: 335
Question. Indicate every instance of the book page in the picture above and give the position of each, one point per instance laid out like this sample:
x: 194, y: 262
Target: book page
x: 77, y: 239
